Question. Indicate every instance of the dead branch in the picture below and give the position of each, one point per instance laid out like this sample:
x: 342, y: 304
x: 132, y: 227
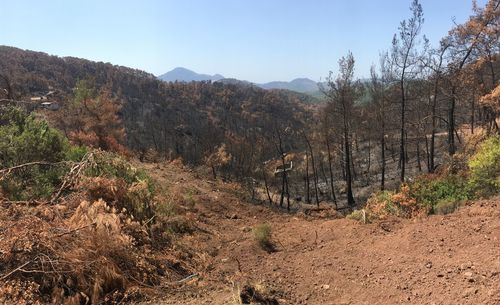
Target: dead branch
x: 6, y: 171
x: 77, y: 229
x: 74, y: 175
x: 15, y: 270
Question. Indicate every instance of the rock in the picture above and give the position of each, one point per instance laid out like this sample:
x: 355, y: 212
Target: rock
x: 326, y: 287
x: 468, y: 274
x: 470, y: 292
x: 428, y: 265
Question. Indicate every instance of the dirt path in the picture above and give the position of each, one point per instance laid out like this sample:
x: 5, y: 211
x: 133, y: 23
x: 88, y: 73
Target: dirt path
x: 453, y: 259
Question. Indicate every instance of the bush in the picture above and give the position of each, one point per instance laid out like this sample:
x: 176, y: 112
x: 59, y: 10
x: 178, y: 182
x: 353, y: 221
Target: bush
x: 25, y: 139
x: 485, y: 168
x: 360, y: 215
x: 122, y: 185
x: 111, y: 165
x: 263, y: 236
x: 429, y: 190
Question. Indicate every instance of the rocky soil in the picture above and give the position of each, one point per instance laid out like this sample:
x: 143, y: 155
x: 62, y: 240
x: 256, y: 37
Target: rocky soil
x: 325, y: 259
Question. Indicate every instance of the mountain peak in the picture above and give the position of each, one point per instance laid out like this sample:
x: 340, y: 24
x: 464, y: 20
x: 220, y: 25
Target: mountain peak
x: 182, y: 74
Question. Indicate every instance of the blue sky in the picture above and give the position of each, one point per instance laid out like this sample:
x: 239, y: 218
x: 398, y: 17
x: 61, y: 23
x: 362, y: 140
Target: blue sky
x: 255, y: 40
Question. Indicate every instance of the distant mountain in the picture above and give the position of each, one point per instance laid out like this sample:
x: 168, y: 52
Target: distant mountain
x: 234, y: 81
x: 303, y: 85
x: 185, y: 75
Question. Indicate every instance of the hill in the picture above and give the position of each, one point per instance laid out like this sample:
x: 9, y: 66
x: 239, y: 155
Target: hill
x: 301, y: 85
x: 177, y: 120
x: 201, y: 248
x: 185, y: 75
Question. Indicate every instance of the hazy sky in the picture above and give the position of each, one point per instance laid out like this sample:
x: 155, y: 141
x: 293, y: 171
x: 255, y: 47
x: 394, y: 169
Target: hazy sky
x: 255, y: 40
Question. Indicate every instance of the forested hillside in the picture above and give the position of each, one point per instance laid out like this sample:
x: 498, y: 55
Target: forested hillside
x: 120, y: 188
x: 186, y: 120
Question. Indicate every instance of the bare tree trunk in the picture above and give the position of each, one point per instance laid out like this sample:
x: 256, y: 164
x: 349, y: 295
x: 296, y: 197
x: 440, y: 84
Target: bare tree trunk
x: 472, y: 113
x: 418, y: 154
x: 427, y: 156
x: 402, y: 154
x: 369, y: 161
x: 451, y: 123
x: 266, y: 184
x: 315, y: 172
x: 350, y: 198
x: 433, y: 134
x: 308, y: 192
x: 354, y: 173
x: 330, y: 169
x: 214, y: 173
x: 342, y: 165
x: 382, y: 157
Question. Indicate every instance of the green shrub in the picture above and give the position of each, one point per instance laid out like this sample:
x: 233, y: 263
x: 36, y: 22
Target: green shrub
x: 75, y: 153
x: 165, y: 209
x: 360, y: 215
x: 111, y: 165
x: 263, y: 236
x: 429, y: 190
x: 139, y: 198
x: 380, y: 204
x: 485, y: 168
x: 25, y: 139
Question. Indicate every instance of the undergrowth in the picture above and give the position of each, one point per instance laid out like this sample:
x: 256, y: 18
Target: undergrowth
x: 102, y: 244
x: 472, y: 174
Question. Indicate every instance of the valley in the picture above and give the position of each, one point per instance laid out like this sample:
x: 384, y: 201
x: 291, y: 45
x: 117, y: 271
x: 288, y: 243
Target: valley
x: 378, y: 185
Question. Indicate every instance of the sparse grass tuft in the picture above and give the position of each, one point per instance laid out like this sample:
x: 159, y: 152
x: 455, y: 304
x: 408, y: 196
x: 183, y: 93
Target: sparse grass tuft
x: 360, y: 215
x: 263, y: 236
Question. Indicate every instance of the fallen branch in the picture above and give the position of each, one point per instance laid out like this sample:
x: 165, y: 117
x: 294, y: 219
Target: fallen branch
x: 188, y: 278
x: 77, y: 229
x: 22, y: 202
x: 15, y: 270
x: 73, y: 175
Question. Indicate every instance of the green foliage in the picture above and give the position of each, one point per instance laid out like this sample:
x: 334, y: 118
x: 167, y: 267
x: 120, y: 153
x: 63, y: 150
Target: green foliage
x: 139, y: 198
x: 360, y: 215
x: 165, y: 209
x: 25, y: 139
x: 263, y: 236
x: 111, y: 165
x: 75, y: 153
x: 485, y: 168
x: 430, y: 190
x: 380, y: 204
x: 84, y: 89
x: 189, y: 197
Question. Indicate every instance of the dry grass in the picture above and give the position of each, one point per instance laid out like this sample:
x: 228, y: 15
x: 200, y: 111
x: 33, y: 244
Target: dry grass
x: 92, y: 256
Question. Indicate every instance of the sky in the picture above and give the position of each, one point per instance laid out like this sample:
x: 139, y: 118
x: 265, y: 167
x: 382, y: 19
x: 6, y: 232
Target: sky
x: 254, y: 40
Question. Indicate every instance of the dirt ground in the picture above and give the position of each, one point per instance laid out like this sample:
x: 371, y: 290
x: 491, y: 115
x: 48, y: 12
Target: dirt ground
x: 452, y: 259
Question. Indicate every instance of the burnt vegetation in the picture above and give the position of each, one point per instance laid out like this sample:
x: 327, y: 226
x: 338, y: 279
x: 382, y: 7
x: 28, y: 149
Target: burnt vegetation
x: 419, y: 136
